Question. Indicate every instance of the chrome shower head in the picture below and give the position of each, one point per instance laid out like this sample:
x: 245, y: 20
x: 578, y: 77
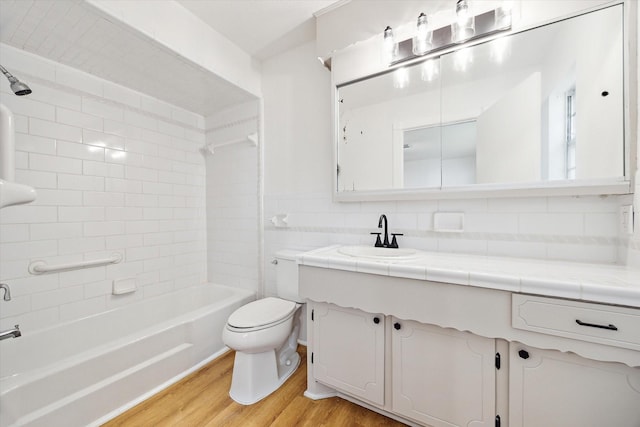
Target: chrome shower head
x: 16, y: 85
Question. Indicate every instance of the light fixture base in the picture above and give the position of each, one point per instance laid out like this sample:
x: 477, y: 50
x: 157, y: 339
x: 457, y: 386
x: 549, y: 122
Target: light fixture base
x: 485, y: 25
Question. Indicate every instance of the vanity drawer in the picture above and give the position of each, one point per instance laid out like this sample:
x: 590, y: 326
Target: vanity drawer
x: 599, y: 323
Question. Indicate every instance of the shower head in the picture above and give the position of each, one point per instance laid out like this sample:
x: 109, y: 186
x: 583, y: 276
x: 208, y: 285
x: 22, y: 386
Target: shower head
x: 17, y: 86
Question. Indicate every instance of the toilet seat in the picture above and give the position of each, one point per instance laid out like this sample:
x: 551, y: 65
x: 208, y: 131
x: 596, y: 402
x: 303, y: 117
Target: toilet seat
x: 261, y: 314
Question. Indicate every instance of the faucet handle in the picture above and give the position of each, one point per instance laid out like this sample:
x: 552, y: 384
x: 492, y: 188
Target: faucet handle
x: 378, y: 241
x: 394, y: 242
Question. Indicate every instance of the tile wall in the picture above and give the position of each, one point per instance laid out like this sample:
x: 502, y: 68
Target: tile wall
x: 116, y: 172
x: 233, y: 248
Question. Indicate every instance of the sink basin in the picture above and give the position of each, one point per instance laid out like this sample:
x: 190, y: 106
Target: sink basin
x: 397, y: 254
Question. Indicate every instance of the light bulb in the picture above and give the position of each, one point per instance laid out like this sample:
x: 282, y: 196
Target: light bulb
x: 400, y: 78
x: 503, y: 15
x: 389, y: 46
x: 462, y: 59
x: 429, y: 70
x: 500, y: 49
x: 422, y: 40
x: 464, y: 26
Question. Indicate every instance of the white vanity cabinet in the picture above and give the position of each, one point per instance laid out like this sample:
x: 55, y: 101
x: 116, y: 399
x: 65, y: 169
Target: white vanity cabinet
x: 436, y: 376
x: 442, y: 377
x: 348, y: 351
x: 444, y: 354
x: 552, y: 388
x: 549, y: 387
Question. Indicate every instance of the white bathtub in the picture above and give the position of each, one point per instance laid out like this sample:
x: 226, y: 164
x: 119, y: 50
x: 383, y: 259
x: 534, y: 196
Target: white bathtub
x: 87, y: 371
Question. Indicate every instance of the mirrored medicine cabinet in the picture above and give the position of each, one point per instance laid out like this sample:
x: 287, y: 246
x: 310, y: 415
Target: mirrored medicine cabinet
x: 537, y: 110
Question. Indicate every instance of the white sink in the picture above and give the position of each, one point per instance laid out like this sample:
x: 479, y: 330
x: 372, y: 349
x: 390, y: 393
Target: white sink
x: 396, y: 254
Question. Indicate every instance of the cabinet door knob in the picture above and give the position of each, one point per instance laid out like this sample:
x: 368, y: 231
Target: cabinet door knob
x: 376, y: 320
x: 523, y: 354
x: 397, y: 326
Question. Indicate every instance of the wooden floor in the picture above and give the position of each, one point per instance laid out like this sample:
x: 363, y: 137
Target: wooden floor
x: 202, y: 399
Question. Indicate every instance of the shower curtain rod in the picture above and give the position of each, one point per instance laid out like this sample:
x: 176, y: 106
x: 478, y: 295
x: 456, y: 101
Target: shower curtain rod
x: 210, y: 147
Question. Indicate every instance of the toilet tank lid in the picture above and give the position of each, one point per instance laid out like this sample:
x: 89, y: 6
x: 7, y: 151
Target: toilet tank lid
x: 288, y: 254
x: 261, y: 312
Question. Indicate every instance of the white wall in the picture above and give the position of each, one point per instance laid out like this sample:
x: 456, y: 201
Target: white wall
x: 513, y: 154
x: 115, y: 171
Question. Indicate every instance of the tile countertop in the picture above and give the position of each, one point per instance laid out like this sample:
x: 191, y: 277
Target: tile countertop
x: 601, y: 283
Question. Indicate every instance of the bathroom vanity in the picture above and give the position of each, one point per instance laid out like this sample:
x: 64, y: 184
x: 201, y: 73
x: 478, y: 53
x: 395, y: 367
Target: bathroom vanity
x: 461, y: 340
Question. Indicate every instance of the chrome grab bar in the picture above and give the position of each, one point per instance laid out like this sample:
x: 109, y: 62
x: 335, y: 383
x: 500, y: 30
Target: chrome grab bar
x: 40, y: 267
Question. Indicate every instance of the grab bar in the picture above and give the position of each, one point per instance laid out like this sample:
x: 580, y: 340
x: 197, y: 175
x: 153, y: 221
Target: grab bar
x: 40, y: 267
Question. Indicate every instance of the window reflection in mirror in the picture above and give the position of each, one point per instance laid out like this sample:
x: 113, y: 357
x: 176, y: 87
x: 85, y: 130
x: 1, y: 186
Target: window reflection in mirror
x: 541, y: 105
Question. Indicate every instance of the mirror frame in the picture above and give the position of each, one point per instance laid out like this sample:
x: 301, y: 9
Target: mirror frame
x: 605, y: 186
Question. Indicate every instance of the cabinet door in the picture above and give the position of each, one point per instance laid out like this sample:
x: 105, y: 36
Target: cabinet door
x: 348, y: 351
x: 551, y: 388
x: 442, y: 377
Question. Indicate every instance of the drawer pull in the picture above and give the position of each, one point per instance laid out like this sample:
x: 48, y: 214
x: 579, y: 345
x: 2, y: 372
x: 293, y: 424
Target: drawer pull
x: 593, y: 325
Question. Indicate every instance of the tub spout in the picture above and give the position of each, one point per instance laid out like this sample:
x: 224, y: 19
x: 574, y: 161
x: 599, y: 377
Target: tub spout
x: 7, y: 291
x: 11, y: 333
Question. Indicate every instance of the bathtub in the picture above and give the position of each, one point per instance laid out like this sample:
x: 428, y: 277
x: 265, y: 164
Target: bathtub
x: 87, y: 371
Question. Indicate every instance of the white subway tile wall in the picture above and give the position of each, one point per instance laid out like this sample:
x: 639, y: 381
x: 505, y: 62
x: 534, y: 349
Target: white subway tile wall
x: 232, y: 198
x: 116, y: 172
x: 582, y: 229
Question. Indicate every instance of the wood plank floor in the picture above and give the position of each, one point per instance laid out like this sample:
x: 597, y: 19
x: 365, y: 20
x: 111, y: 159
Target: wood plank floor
x: 202, y: 399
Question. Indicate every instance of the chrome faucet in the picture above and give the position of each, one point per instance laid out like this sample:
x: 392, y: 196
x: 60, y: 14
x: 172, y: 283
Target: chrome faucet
x: 11, y: 333
x: 385, y: 243
x: 7, y: 291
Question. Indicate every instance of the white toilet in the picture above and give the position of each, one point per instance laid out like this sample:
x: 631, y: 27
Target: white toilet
x: 264, y: 334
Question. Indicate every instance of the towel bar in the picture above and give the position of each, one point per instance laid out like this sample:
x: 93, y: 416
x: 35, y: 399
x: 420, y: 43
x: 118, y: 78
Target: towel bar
x: 40, y: 267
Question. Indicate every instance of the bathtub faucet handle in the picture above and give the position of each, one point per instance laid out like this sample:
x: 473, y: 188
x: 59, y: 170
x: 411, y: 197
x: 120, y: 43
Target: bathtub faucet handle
x: 7, y: 291
x: 11, y: 333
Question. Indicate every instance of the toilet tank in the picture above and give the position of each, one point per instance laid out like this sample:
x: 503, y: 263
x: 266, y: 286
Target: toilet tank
x: 287, y: 275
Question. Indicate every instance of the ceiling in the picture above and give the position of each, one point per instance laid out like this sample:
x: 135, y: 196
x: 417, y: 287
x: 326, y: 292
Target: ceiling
x: 261, y: 28
x: 74, y: 33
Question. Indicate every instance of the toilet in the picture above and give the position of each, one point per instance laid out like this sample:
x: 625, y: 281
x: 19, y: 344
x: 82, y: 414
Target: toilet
x: 264, y: 334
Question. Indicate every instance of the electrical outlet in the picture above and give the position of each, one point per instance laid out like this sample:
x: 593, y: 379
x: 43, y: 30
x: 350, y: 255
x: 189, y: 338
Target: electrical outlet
x: 626, y: 219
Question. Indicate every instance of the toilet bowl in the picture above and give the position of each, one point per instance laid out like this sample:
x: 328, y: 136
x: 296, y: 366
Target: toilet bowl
x: 264, y: 334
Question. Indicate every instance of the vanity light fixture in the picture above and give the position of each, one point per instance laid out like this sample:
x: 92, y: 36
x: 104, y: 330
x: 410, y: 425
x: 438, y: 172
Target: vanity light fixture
x: 428, y: 40
x: 422, y: 40
x: 464, y: 26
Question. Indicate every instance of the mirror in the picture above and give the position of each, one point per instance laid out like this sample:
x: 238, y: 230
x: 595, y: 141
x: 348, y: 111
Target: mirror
x: 540, y: 106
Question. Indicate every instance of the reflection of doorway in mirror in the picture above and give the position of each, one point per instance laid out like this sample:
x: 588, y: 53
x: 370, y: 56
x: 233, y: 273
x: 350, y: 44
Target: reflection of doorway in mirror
x: 421, y: 157
x: 435, y: 156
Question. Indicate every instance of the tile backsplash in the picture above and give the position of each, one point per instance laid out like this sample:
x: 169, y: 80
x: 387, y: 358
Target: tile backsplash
x: 581, y: 229
x: 116, y: 172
